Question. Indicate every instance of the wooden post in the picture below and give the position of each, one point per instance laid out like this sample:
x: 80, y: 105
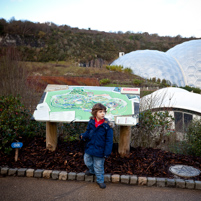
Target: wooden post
x: 51, y: 135
x: 16, y: 154
x: 124, y: 140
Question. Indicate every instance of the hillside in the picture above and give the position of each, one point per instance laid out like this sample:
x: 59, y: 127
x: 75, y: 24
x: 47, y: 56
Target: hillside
x: 49, y: 42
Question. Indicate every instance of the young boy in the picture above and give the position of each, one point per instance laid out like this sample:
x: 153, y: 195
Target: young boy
x: 99, y: 141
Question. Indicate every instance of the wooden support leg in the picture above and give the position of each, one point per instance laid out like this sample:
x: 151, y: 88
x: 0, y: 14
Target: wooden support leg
x: 16, y: 154
x: 124, y: 140
x: 51, y: 135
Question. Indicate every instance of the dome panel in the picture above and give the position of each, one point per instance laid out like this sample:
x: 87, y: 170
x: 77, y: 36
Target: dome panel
x: 198, y: 82
x: 191, y: 78
x: 198, y: 74
x: 190, y: 69
x: 198, y: 65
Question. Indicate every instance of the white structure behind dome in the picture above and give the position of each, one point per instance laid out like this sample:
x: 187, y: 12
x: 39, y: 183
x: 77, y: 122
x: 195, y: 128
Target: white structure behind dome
x: 181, y: 65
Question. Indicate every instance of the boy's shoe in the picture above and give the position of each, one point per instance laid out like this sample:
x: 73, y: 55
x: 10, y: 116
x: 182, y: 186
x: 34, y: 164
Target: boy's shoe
x: 102, y: 185
x: 88, y: 173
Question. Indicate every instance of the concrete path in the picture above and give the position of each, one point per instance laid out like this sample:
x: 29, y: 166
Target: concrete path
x: 31, y: 189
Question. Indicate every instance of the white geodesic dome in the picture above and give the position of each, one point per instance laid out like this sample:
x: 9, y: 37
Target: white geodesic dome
x: 152, y: 63
x: 188, y: 56
x: 181, y: 65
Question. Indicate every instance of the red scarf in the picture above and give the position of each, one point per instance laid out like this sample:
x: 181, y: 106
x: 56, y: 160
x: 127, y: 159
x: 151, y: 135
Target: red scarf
x: 98, y: 123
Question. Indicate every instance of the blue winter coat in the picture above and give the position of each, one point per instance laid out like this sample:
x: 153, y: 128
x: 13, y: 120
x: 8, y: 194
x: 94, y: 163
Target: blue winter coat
x: 99, y: 140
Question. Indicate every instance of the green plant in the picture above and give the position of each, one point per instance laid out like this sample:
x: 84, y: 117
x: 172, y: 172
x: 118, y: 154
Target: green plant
x: 181, y: 147
x: 164, y: 82
x: 196, y: 90
x: 71, y: 131
x: 158, y: 81
x: 15, y: 123
x: 128, y: 70
x: 152, y: 128
x: 115, y: 68
x: 137, y: 82
x: 104, y: 81
x: 194, y: 138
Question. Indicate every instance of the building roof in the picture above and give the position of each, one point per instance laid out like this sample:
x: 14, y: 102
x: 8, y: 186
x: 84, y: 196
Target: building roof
x: 172, y: 97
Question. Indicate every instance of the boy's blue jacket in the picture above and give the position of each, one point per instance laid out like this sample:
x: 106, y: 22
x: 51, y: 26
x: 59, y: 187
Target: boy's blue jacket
x: 99, y: 141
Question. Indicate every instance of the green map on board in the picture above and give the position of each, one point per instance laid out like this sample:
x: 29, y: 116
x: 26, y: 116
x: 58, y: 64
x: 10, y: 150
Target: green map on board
x: 82, y: 100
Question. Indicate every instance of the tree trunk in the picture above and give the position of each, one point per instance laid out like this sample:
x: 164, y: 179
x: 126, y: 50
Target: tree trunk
x: 51, y: 136
x: 124, y: 140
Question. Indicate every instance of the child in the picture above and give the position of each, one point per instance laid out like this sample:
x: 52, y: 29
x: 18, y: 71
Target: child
x: 99, y: 141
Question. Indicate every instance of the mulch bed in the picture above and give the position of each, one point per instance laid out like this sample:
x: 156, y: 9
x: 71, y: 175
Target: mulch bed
x: 68, y: 156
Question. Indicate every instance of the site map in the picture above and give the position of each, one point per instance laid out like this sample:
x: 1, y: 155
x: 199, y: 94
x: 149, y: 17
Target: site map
x: 82, y: 99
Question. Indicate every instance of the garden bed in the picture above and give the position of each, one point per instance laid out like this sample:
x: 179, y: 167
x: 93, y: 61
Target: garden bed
x: 69, y: 157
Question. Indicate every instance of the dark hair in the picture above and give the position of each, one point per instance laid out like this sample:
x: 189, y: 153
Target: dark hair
x: 96, y: 108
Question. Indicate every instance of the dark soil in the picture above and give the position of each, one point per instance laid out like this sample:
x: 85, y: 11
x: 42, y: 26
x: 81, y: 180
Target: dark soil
x: 69, y: 157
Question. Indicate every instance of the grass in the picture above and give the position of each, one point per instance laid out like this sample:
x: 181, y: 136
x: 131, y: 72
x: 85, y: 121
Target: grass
x: 61, y: 68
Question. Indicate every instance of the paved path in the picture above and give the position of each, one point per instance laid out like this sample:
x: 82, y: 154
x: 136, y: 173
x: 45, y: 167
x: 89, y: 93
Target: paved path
x: 31, y: 189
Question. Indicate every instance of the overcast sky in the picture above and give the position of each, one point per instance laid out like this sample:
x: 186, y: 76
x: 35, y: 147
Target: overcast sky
x: 164, y: 17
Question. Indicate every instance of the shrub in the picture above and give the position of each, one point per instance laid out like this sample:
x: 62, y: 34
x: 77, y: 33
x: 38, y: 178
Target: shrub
x: 191, y: 145
x: 137, y: 82
x: 158, y: 81
x: 164, y: 82
x: 196, y: 90
x: 104, y: 81
x: 15, y: 123
x: 188, y: 88
x: 194, y: 138
x: 128, y: 70
x: 71, y: 131
x: 152, y: 128
x: 115, y: 68
x: 41, y: 34
x: 181, y: 147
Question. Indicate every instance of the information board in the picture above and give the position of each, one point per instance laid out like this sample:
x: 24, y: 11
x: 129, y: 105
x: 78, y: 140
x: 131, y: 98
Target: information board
x: 74, y: 103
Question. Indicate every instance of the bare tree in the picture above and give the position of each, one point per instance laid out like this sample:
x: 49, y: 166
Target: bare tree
x: 13, y: 78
